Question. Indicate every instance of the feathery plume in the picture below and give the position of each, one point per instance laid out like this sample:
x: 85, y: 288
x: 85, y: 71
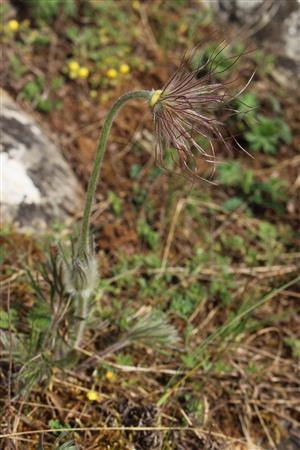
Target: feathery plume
x: 183, y: 115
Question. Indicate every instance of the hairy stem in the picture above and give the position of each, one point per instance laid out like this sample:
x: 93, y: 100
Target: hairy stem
x: 82, y: 314
x: 83, y: 244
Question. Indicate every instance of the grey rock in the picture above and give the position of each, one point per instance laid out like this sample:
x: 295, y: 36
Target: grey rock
x: 275, y: 24
x: 237, y: 9
x: 37, y: 185
x: 292, y: 35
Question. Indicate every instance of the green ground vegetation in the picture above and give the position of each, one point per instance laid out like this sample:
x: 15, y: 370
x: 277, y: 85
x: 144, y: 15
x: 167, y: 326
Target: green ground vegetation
x: 221, y: 262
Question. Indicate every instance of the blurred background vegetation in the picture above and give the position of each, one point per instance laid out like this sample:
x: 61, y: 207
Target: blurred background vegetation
x: 201, y: 254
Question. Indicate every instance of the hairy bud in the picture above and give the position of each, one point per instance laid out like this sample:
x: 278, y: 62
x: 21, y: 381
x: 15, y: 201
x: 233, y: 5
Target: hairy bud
x: 80, y: 275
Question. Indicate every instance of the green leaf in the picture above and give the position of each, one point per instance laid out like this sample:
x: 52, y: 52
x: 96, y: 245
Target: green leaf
x: 70, y: 8
x: 115, y: 202
x: 57, y: 83
x: 134, y: 170
x: 41, y: 39
x: 45, y: 9
x: 73, y: 33
x: 189, y: 360
x: 18, y: 69
x: 147, y: 234
x: 285, y: 133
x: 248, y: 103
x: 31, y: 90
x: 230, y: 174
x: 40, y: 316
x: 266, y: 134
x: 45, y: 105
x: 69, y: 445
x: 294, y: 344
x: 54, y: 424
x: 8, y: 319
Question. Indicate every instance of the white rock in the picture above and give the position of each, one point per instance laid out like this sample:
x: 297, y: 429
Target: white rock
x: 16, y: 185
x: 37, y: 185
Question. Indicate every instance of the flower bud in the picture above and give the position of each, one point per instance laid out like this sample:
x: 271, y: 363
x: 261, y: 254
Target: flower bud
x: 81, y: 275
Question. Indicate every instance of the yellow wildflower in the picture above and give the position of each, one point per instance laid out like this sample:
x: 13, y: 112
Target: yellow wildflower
x: 124, y: 68
x: 182, y: 28
x: 26, y: 23
x: 73, y: 66
x: 155, y: 97
x: 73, y: 74
x: 104, y: 40
x: 13, y: 25
x: 83, y: 72
x: 136, y: 5
x: 93, y: 93
x: 110, y: 375
x: 93, y: 396
x: 111, y: 73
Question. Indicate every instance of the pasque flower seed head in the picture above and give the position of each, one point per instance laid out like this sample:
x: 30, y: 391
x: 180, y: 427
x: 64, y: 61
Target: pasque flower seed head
x: 183, y: 113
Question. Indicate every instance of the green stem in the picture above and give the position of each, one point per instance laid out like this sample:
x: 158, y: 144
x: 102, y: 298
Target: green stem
x: 82, y: 313
x: 83, y: 244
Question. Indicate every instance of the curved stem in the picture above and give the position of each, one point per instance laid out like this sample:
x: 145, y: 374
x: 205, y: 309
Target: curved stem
x: 83, y: 244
